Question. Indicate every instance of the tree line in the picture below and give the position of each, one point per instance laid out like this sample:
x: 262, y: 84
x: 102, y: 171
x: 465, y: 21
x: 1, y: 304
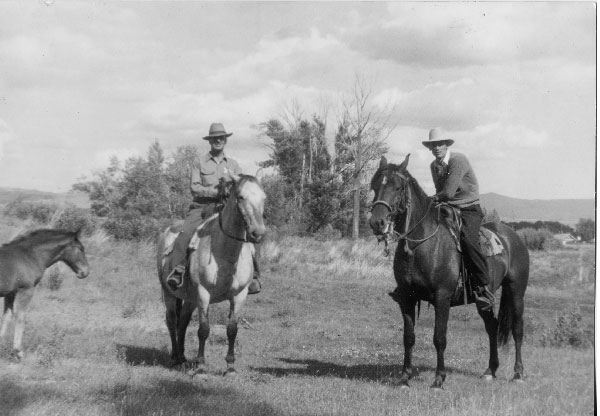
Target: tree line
x: 316, y: 183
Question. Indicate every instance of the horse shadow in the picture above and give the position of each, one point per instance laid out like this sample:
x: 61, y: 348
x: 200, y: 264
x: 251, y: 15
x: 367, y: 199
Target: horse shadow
x: 383, y: 373
x: 136, y: 355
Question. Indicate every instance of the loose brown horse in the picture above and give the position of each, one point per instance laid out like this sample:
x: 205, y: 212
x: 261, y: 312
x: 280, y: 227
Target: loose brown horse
x: 220, y: 268
x: 22, y: 265
x: 427, y: 264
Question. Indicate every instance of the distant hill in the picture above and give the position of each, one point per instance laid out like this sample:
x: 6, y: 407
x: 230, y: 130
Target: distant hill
x: 566, y: 211
x: 78, y: 199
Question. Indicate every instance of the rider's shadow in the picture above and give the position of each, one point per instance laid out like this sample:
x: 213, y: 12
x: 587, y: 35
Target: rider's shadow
x: 383, y: 373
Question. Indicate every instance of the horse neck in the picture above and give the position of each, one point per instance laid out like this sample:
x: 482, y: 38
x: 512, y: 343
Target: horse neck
x: 419, y: 206
x: 231, y: 228
x: 48, y: 252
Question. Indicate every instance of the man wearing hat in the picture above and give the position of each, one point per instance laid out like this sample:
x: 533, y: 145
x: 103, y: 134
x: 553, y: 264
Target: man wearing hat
x: 206, y: 173
x: 456, y: 184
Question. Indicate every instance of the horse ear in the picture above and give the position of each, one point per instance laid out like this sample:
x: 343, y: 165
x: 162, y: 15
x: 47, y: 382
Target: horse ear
x: 383, y: 163
x: 404, y: 164
x: 260, y: 173
x: 79, y: 232
x: 234, y: 177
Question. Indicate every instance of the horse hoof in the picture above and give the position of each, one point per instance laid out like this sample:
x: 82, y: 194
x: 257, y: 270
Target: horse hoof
x: 404, y: 386
x: 517, y: 378
x: 230, y: 372
x: 435, y: 387
x: 488, y: 377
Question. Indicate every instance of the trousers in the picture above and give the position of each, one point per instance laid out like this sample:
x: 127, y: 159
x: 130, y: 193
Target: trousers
x: 475, y: 261
x: 194, y: 218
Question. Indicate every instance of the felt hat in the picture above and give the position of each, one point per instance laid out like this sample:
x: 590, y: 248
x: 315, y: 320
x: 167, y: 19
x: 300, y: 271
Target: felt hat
x: 436, y: 136
x: 216, y: 130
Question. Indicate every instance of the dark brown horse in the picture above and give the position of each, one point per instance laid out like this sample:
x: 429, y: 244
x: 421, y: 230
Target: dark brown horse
x: 427, y: 264
x: 22, y: 265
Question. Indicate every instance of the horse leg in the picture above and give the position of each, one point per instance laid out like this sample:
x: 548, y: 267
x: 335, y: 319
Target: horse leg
x: 407, y: 306
x: 22, y: 302
x: 491, y: 327
x: 203, y: 333
x: 184, y: 314
x: 517, y: 332
x: 173, y: 307
x: 9, y: 301
x: 442, y: 311
x: 232, y: 329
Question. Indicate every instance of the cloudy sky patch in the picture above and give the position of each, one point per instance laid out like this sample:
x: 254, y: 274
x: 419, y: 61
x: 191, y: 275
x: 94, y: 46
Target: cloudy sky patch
x: 514, y: 83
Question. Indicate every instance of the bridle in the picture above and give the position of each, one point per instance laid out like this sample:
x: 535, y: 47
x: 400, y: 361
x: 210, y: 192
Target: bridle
x: 408, y: 229
x: 242, y: 214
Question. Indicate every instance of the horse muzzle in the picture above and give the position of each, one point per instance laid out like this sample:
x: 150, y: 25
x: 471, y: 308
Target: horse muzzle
x: 83, y: 272
x: 256, y: 234
x: 380, y: 226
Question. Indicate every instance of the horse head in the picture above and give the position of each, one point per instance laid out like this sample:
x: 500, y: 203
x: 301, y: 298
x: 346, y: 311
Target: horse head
x: 74, y: 256
x: 249, y: 197
x: 390, y: 186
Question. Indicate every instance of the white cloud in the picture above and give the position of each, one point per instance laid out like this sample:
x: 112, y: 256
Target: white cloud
x: 6, y: 135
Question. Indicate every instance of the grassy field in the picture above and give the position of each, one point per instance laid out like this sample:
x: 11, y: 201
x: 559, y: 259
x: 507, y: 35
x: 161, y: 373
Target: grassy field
x: 323, y: 338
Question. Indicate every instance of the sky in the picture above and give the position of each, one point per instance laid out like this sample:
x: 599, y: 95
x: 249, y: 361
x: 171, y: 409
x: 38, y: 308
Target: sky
x: 513, y: 83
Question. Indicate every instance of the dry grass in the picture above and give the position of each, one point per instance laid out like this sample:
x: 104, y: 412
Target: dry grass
x: 322, y: 338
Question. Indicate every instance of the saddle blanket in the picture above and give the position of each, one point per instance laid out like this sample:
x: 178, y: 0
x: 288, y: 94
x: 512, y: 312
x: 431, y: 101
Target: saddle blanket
x: 171, y: 236
x: 489, y: 242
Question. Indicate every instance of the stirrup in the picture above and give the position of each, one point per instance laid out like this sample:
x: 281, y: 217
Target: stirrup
x: 395, y: 295
x: 172, y: 280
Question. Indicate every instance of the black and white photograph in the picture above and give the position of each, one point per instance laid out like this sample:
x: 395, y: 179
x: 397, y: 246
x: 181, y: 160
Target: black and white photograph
x: 298, y: 207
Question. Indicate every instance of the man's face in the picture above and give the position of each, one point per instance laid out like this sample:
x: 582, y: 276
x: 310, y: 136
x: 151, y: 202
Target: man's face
x: 439, y: 150
x: 218, y: 143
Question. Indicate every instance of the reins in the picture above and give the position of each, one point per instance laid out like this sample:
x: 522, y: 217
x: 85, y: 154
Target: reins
x: 396, y: 236
x: 243, y: 240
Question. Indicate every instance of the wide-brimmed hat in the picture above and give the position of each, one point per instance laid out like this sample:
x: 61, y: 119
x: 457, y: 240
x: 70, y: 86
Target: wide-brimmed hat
x: 437, y: 136
x: 216, y: 130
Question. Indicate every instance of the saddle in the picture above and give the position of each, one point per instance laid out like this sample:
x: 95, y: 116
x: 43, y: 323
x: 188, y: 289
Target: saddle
x: 173, y: 232
x: 489, y: 244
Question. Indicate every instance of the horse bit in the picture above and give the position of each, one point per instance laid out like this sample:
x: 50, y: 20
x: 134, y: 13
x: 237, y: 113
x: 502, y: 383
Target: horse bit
x: 395, y: 235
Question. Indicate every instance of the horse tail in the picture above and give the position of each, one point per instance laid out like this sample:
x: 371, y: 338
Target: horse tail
x: 505, y: 317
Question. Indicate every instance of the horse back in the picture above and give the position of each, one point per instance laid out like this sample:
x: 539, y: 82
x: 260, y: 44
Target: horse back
x: 515, y: 258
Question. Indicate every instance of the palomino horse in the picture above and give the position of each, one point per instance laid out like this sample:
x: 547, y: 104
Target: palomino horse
x: 427, y: 264
x: 220, y: 267
x: 23, y: 262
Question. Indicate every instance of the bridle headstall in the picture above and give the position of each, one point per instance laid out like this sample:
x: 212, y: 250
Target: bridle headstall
x: 394, y: 211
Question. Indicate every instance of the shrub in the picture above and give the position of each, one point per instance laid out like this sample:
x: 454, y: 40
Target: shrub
x: 129, y: 225
x: 55, y: 279
x: 568, y: 331
x: 73, y: 218
x: 537, y: 239
x: 39, y: 211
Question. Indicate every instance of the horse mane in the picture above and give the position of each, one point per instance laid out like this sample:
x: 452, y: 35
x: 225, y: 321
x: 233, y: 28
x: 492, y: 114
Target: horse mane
x: 416, y: 185
x: 225, y: 187
x: 396, y: 168
x: 39, y: 236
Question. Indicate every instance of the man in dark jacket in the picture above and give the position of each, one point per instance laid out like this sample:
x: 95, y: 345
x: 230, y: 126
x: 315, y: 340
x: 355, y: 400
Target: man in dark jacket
x: 206, y: 173
x: 456, y: 184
